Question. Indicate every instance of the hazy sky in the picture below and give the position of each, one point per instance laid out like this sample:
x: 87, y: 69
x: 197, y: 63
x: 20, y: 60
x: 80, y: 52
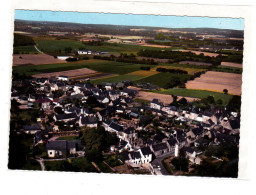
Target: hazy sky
x: 132, y: 20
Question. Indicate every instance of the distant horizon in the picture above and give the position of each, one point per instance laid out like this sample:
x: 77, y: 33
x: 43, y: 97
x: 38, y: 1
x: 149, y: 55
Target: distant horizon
x: 157, y: 21
x: 133, y: 25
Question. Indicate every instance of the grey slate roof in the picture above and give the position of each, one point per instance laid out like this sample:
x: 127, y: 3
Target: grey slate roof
x: 89, y: 120
x: 31, y: 127
x: 135, y: 155
x: 129, y: 130
x: 57, y: 145
x: 116, y: 126
x: 160, y: 146
x: 66, y: 116
x: 146, y: 151
x: 172, y: 141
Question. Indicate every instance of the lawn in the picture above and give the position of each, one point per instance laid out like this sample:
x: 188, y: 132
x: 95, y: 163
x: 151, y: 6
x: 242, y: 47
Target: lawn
x: 197, y: 94
x: 74, y: 165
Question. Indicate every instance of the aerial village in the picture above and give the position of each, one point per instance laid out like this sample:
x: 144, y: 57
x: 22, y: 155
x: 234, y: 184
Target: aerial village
x: 125, y: 99
x: 146, y: 133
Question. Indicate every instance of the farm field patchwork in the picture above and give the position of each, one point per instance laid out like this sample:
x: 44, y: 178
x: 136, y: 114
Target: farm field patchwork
x: 97, y: 65
x: 58, y: 46
x: 34, y: 59
x: 217, y: 81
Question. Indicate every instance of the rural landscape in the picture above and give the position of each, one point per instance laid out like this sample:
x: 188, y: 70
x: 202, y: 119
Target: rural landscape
x: 125, y: 99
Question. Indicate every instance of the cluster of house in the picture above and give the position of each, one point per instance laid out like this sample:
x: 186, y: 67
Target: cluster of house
x: 89, y: 52
x: 119, y: 114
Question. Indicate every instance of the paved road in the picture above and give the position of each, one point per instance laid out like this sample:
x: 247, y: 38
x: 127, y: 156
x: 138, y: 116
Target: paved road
x: 37, y: 49
x: 158, y: 162
x: 41, y: 162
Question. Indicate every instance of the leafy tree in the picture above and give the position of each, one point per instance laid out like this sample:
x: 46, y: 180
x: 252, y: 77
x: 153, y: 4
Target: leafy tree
x: 180, y: 163
x: 225, y: 91
x: 219, y: 102
x: 183, y: 101
x: 97, y: 140
x: 235, y: 103
x: 210, y: 99
x: 92, y: 101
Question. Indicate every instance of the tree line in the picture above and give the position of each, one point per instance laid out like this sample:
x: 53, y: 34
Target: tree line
x: 126, y: 59
x: 177, y: 56
x: 172, y: 70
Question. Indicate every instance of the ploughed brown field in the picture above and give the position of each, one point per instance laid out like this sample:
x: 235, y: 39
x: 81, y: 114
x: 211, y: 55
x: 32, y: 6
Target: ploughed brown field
x: 164, y: 98
x: 232, y: 64
x: 83, y: 72
x: 199, y: 52
x: 217, y: 81
x: 34, y: 59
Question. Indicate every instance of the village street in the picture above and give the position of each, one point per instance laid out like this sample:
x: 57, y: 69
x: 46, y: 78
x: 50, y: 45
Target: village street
x: 157, y: 163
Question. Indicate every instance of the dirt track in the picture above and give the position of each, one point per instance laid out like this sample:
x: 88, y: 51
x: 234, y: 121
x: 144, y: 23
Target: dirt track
x: 34, y: 59
x: 217, y: 81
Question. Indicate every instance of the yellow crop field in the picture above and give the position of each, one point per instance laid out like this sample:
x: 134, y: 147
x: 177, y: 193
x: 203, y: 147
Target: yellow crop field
x: 143, y: 73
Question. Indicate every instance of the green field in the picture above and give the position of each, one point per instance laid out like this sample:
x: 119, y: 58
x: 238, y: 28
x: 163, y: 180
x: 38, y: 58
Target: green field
x: 197, y: 94
x: 227, y: 69
x: 28, y: 49
x: 58, y: 46
x: 98, y: 65
x: 119, y: 78
x: 162, y: 79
